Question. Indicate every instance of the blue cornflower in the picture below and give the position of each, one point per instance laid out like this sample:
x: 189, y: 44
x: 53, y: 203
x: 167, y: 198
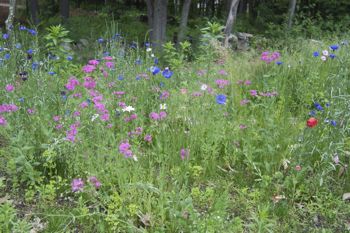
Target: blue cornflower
x: 32, y: 32
x: 120, y: 77
x: 312, y: 113
x: 316, y: 54
x: 69, y: 58
x: 147, y: 44
x: 22, y: 28
x: 333, y: 122
x: 318, y: 106
x: 30, y: 51
x: 106, y: 53
x: 100, y: 40
x: 18, y: 46
x: 5, y: 36
x: 21, y: 99
x: 332, y: 56
x: 155, y: 70
x: 88, y: 101
x: 334, y: 47
x: 138, y: 78
x: 167, y: 73
x: 7, y: 56
x: 156, y: 61
x: 138, y: 61
x: 161, y: 84
x: 279, y: 63
x: 1, y: 49
x: 328, y: 104
x: 133, y: 45
x: 221, y: 99
x: 35, y: 65
x: 51, y: 73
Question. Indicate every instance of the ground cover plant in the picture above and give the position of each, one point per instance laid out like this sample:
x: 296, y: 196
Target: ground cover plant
x: 132, y: 142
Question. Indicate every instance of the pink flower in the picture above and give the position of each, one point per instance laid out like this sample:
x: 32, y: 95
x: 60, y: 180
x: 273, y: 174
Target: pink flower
x: 148, y: 138
x: 125, y: 149
x: 162, y: 115
x: 56, y: 118
x: 253, y: 93
x: 183, y: 91
x: 59, y: 126
x: 184, y: 153
x: 89, y: 83
x: 9, y: 88
x: 94, y: 62
x: 95, y: 182
x: 298, y: 168
x: 88, y: 68
x: 84, y: 104
x: 110, y: 64
x: 108, y: 58
x: 154, y: 116
x: 222, y: 83
x: 244, y: 102
x: 30, y: 111
x: 77, y: 185
x: 105, y: 117
x: 119, y: 94
x: 241, y: 126
x: 3, y: 121
x: 76, y: 114
x: 72, y: 82
x: 165, y: 95
x: 247, y: 82
x: 222, y: 72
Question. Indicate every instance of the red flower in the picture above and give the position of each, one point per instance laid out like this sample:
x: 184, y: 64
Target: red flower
x: 312, y: 122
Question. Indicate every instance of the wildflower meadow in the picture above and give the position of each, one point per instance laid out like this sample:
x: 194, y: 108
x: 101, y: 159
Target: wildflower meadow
x: 134, y: 139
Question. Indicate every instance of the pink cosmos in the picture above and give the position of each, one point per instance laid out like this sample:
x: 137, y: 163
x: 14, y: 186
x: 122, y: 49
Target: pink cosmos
x: 30, y: 111
x: 59, y: 126
x: 298, y: 168
x: 88, y: 68
x: 122, y: 104
x: 72, y: 82
x: 9, y: 88
x: 76, y: 114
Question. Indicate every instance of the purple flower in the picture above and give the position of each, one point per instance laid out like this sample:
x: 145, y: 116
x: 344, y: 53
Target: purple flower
x: 125, y: 149
x: 222, y: 83
x: 184, y: 153
x: 89, y: 83
x: 167, y: 73
x: 148, y: 138
x: 9, y: 88
x: 88, y: 68
x: 93, y: 180
x: 253, y: 93
x: 154, y: 116
x: 3, y: 121
x: 164, y: 95
x: 77, y: 185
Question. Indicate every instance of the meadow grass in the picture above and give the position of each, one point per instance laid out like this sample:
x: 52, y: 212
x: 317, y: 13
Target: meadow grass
x: 97, y: 151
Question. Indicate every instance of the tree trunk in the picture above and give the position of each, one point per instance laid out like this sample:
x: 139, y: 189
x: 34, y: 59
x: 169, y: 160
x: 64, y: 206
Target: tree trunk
x: 157, y: 20
x: 33, y: 6
x: 11, y: 16
x: 150, y: 13
x: 230, y: 20
x: 184, y: 18
x: 292, y: 5
x: 64, y: 9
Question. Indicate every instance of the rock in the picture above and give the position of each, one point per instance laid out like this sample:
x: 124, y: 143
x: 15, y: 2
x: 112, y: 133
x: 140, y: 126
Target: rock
x: 346, y: 197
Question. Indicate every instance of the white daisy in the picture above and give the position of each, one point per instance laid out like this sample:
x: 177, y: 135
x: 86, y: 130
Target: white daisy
x: 128, y: 109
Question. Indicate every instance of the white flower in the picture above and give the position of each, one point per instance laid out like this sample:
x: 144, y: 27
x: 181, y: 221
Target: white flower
x: 149, y: 49
x: 128, y: 109
x: 323, y: 58
x: 285, y: 162
x: 204, y: 87
x: 152, y: 55
x: 135, y: 158
x: 94, y: 117
x: 163, y: 106
x: 325, y: 52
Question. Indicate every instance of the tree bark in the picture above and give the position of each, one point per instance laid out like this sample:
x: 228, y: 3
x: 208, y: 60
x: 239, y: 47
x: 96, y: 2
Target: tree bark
x: 184, y: 19
x: 33, y: 6
x: 64, y: 9
x: 157, y: 20
x: 292, y: 5
x: 11, y: 16
x: 230, y: 20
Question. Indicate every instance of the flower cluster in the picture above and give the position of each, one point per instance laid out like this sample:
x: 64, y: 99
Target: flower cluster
x: 269, y: 57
